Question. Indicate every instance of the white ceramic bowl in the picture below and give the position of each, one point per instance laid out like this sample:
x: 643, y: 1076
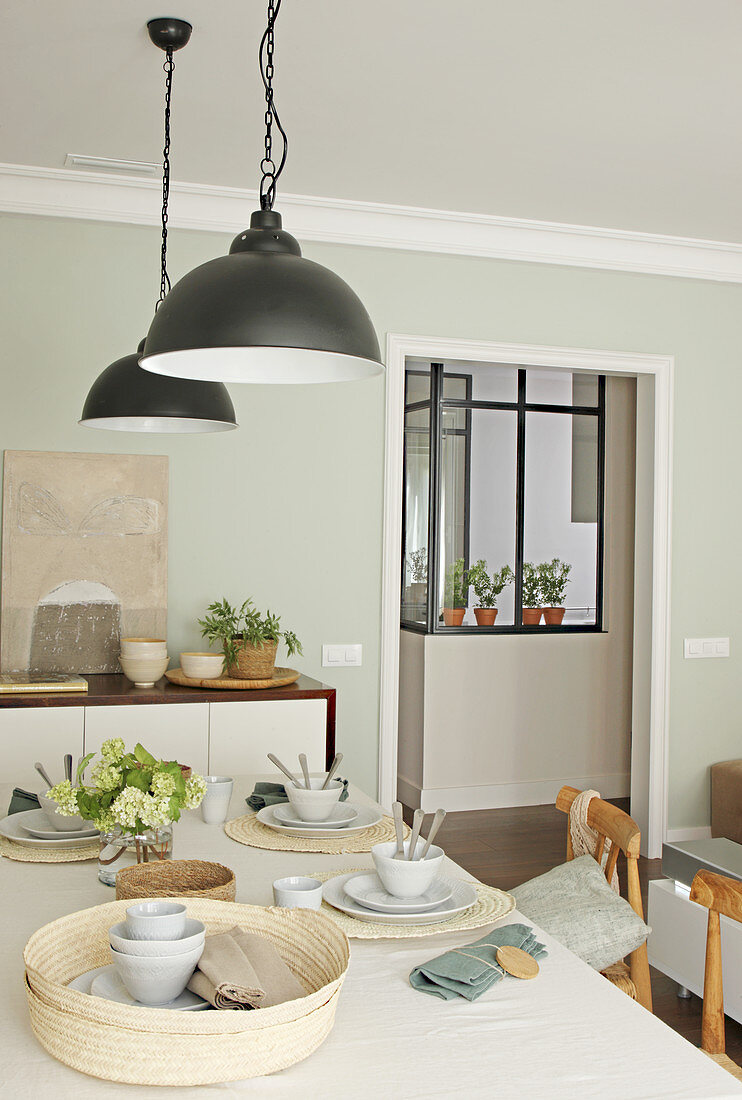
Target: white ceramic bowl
x: 120, y: 940
x: 314, y: 805
x: 406, y: 878
x: 143, y: 671
x: 156, y: 920
x: 143, y: 647
x: 202, y: 666
x: 59, y: 821
x: 155, y: 981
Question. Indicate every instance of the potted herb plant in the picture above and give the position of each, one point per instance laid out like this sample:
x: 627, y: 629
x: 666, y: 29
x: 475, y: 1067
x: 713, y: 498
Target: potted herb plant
x: 248, y: 638
x: 487, y: 588
x: 455, y: 594
x: 554, y: 578
x: 133, y: 800
x: 532, y: 600
x: 418, y: 565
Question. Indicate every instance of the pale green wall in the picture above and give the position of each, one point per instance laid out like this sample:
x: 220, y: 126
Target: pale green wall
x: 289, y: 508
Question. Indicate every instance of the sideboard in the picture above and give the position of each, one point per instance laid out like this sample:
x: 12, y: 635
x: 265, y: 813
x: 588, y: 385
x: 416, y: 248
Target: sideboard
x: 216, y: 732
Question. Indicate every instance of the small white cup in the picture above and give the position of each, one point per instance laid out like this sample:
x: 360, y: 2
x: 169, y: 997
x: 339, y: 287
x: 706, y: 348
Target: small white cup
x: 215, y: 805
x: 156, y: 920
x: 297, y: 893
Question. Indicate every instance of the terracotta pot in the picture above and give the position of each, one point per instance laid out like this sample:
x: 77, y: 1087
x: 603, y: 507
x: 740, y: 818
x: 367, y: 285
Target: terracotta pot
x: 531, y: 616
x: 453, y: 616
x: 253, y: 662
x: 485, y: 616
x: 553, y: 615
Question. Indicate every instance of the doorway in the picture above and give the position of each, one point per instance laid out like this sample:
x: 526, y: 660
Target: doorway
x: 648, y: 704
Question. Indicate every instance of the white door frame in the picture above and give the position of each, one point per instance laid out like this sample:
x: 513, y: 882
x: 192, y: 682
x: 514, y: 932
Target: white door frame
x: 661, y: 368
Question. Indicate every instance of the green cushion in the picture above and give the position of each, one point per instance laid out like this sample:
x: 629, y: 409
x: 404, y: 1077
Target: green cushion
x: 575, y: 904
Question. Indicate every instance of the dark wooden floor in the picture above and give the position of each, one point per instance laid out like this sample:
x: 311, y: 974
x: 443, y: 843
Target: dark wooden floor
x: 507, y: 847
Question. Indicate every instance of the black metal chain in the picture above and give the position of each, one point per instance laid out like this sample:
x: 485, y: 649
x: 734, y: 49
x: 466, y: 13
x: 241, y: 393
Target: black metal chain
x: 168, y: 67
x: 267, y: 69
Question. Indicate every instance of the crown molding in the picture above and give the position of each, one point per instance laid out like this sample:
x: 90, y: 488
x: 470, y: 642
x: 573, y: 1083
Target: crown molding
x: 65, y: 193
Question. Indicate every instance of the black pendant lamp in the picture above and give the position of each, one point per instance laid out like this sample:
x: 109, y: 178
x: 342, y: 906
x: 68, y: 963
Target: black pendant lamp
x: 124, y: 397
x: 263, y: 313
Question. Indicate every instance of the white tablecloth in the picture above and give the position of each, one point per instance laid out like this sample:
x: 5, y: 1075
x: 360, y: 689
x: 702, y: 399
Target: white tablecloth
x: 567, y: 1034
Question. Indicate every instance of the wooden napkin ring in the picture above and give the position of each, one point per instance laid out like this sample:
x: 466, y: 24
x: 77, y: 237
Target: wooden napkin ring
x: 516, y: 962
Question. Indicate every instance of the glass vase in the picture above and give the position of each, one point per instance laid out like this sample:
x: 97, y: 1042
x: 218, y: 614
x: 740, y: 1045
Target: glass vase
x: 119, y: 849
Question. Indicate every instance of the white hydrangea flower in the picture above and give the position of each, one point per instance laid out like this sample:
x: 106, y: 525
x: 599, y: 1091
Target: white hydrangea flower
x: 106, y: 821
x: 163, y: 785
x: 65, y: 798
x: 106, y: 777
x: 195, y: 789
x: 154, y: 811
x: 126, y: 807
x: 113, y: 750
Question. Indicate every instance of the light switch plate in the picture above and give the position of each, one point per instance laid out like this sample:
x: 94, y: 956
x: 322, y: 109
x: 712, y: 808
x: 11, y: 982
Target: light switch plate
x: 342, y: 656
x: 705, y: 647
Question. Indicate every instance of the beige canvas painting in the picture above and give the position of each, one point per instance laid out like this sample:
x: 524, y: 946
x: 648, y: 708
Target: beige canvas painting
x: 84, y: 558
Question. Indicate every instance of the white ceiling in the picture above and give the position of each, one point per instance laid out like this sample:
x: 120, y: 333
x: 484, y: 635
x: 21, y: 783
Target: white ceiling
x: 616, y: 113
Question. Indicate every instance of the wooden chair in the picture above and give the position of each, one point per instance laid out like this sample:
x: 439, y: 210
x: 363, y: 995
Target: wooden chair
x: 720, y: 895
x: 623, y: 833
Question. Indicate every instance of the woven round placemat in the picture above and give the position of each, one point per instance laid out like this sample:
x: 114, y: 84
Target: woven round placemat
x: 47, y: 855
x: 492, y: 905
x: 282, y: 677
x: 248, y: 830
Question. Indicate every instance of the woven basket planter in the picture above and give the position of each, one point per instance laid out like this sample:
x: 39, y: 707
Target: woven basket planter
x: 188, y: 878
x: 254, y: 662
x: 154, y: 1046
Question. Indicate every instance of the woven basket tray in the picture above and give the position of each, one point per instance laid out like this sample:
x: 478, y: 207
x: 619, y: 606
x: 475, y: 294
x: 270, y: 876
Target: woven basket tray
x: 154, y: 1046
x: 192, y: 878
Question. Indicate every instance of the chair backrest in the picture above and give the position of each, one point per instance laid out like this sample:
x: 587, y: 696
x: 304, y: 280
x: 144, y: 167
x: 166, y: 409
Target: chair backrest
x: 720, y: 895
x: 623, y: 835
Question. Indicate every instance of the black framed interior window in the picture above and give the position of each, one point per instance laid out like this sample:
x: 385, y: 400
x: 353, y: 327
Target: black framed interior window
x: 503, y: 499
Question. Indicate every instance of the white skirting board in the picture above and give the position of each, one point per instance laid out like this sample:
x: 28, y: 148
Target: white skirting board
x: 499, y: 796
x: 692, y: 832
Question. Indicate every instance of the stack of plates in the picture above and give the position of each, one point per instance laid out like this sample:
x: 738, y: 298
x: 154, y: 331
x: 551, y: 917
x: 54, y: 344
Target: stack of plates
x: 103, y: 981
x: 31, y: 829
x: 363, y: 896
x: 345, y: 818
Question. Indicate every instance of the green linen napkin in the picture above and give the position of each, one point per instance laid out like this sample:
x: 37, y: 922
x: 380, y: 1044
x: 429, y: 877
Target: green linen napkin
x: 471, y: 970
x: 22, y: 800
x: 271, y: 794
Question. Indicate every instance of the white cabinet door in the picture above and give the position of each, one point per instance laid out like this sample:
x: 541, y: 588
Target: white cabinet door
x: 242, y: 734
x: 170, y: 731
x: 38, y: 733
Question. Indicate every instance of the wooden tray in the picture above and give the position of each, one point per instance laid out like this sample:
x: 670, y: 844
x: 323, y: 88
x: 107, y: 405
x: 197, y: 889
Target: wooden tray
x: 281, y: 677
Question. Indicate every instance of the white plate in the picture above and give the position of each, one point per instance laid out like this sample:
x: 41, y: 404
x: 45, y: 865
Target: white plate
x: 463, y: 897
x: 369, y: 891
x: 37, y: 824
x: 367, y: 816
x: 104, y: 982
x: 341, y: 815
x: 12, y: 828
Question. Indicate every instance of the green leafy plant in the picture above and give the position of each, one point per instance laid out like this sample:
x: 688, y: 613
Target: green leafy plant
x: 230, y: 625
x: 131, y: 791
x: 488, y: 587
x: 532, y: 596
x: 553, y: 579
x: 456, y: 591
x: 417, y: 563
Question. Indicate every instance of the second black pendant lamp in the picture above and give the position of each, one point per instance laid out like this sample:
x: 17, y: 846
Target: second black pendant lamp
x: 124, y: 397
x: 263, y: 313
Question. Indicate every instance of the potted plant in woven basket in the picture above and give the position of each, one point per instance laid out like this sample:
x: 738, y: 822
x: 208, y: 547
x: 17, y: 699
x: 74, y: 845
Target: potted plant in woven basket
x: 532, y: 601
x: 455, y: 594
x: 554, y: 578
x: 487, y: 588
x: 133, y: 800
x: 248, y: 638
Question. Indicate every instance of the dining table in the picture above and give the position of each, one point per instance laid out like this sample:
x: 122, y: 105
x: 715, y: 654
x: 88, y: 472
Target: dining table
x: 568, y: 1033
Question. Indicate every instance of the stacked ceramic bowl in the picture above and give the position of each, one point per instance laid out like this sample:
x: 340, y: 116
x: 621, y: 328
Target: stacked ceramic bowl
x: 155, y: 950
x: 143, y: 660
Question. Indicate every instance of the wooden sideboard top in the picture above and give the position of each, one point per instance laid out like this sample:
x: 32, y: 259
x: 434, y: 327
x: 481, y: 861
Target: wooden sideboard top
x: 114, y: 689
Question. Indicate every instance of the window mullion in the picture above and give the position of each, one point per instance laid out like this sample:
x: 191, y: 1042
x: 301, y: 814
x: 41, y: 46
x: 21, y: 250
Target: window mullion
x: 520, y: 487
